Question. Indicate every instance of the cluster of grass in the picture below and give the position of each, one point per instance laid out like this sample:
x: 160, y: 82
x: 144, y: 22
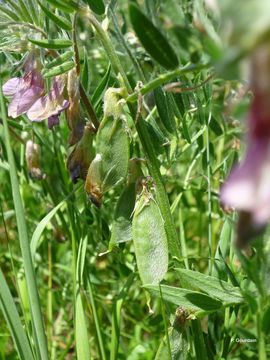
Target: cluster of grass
x: 92, y: 301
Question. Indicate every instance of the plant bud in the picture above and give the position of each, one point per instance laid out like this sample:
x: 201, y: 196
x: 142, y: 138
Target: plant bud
x: 74, y: 117
x: 150, y: 240
x: 93, y: 181
x: 81, y: 156
x: 113, y: 103
x: 32, y: 154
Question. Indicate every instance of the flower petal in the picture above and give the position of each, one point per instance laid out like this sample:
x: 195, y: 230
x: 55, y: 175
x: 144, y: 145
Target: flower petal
x: 11, y: 86
x: 52, y: 121
x: 248, y: 186
x: 44, y: 108
x: 23, y: 100
x: 49, y: 105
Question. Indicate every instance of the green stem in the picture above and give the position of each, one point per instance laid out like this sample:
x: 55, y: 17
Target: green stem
x: 50, y: 299
x: 145, y: 139
x: 199, y: 344
x: 260, y: 337
x: 17, y: 23
x: 162, y: 79
x: 96, y: 320
x: 122, y: 41
x: 108, y: 47
x: 209, y: 200
x: 183, y: 239
x: 36, y: 315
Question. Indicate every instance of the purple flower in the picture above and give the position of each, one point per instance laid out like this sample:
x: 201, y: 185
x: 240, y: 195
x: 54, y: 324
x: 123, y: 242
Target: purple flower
x: 248, y: 186
x: 51, y: 105
x: 25, y: 90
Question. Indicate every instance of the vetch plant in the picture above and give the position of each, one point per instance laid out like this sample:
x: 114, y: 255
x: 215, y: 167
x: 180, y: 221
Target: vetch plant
x: 133, y: 224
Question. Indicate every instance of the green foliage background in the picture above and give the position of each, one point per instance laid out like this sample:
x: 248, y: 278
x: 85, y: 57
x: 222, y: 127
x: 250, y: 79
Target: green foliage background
x: 195, y: 142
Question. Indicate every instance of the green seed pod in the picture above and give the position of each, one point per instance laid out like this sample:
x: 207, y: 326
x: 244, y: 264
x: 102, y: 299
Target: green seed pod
x: 110, y: 167
x: 113, y: 145
x: 150, y: 241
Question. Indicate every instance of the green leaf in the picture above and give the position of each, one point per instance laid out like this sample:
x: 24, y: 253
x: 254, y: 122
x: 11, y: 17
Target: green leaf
x: 41, y: 227
x: 60, y: 60
x: 58, y: 20
x: 215, y: 127
x: 9, y: 13
x: 67, y: 6
x: 194, y: 302
x: 13, y: 320
x: 225, y: 292
x: 152, y: 39
x: 160, y: 142
x: 96, y: 5
x: 25, y: 12
x: 164, y: 108
x: 98, y: 93
x: 81, y: 334
x: 61, y: 69
x: 207, y: 24
x: 54, y: 44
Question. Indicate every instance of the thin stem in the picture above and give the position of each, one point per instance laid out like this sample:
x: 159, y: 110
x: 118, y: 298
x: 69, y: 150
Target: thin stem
x: 183, y: 239
x: 25, y: 24
x: 50, y: 299
x: 75, y: 46
x: 106, y: 42
x: 89, y: 108
x: 162, y: 79
x: 36, y: 315
x: 209, y: 200
x: 122, y: 41
x: 260, y: 336
x: 165, y: 319
x: 96, y: 320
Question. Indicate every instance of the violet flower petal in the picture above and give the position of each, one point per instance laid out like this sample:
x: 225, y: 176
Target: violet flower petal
x: 11, y: 86
x: 23, y: 100
x: 248, y: 186
x: 52, y: 121
x: 49, y: 105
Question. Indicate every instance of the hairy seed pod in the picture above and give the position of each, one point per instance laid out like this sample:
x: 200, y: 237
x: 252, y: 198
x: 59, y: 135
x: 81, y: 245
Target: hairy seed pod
x: 150, y: 241
x: 110, y: 167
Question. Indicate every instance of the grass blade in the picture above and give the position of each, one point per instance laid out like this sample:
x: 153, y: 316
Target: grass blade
x: 37, y: 321
x: 13, y: 320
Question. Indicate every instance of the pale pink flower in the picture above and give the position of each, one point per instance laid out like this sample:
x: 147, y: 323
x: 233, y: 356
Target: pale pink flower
x: 25, y: 90
x: 248, y: 186
x: 51, y: 105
